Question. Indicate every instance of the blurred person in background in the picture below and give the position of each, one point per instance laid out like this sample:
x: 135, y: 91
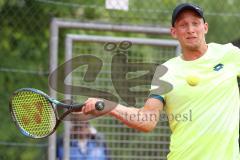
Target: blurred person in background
x: 85, y: 143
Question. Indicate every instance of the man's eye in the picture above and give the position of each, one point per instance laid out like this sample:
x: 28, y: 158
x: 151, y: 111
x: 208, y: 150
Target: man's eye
x: 182, y: 25
x: 195, y: 23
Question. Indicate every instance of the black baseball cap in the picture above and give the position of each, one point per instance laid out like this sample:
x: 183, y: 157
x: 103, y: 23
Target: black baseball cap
x: 185, y: 6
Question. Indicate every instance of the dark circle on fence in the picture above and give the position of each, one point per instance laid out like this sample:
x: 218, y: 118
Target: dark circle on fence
x: 124, y: 45
x: 110, y: 46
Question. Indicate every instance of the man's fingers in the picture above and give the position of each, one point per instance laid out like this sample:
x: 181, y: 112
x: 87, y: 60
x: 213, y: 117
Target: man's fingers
x: 87, y: 109
x: 89, y: 106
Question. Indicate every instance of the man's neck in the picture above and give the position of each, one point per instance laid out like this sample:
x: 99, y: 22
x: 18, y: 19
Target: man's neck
x: 193, y: 54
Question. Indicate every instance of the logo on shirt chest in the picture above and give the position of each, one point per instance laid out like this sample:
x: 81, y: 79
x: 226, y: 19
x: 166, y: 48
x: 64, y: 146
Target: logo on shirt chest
x: 218, y: 67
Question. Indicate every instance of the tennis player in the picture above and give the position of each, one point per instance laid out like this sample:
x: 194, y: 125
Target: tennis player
x: 204, y: 79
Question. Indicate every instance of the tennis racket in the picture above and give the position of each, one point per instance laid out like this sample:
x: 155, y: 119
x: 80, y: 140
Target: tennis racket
x: 35, y: 113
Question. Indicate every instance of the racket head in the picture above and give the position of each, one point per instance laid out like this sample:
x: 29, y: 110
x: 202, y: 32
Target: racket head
x: 33, y: 112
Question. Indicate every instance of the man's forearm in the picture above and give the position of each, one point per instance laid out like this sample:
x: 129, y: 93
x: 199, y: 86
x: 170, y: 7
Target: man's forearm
x: 141, y: 119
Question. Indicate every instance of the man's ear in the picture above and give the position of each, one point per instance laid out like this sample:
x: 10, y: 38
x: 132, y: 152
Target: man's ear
x: 206, y: 28
x: 173, y: 32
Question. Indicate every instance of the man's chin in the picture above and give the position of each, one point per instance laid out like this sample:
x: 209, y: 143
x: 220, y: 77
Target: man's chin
x: 192, y: 46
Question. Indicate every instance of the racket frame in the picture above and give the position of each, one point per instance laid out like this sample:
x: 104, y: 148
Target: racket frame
x: 55, y: 104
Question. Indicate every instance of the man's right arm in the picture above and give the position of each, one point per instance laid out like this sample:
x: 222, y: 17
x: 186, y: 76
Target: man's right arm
x: 143, y: 119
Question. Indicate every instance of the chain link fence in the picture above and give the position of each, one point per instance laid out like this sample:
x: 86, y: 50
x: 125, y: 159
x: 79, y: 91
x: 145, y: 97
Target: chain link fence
x: 122, y: 142
x: 24, y: 47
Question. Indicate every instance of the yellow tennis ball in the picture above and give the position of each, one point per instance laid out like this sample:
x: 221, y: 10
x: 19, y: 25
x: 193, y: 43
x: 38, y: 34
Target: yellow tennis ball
x: 193, y: 80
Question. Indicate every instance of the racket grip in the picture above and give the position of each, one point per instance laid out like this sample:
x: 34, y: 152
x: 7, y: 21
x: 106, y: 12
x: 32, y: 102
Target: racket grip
x: 99, y: 105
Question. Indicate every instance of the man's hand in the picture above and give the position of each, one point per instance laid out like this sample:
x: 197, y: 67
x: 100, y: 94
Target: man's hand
x: 90, y: 106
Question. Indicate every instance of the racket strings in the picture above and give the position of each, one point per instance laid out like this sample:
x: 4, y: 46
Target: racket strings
x: 34, y: 114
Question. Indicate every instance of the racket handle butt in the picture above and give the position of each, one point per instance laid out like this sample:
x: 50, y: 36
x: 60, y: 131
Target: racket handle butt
x: 99, y: 105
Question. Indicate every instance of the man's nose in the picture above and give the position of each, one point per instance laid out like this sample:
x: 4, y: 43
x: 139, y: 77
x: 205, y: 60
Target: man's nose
x: 190, y: 28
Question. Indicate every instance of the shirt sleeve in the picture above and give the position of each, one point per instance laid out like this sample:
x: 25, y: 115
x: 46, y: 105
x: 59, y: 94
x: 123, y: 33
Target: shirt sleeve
x: 160, y: 87
x: 159, y: 97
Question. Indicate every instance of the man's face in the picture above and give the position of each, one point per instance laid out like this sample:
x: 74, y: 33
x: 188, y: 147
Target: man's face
x: 190, y: 30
